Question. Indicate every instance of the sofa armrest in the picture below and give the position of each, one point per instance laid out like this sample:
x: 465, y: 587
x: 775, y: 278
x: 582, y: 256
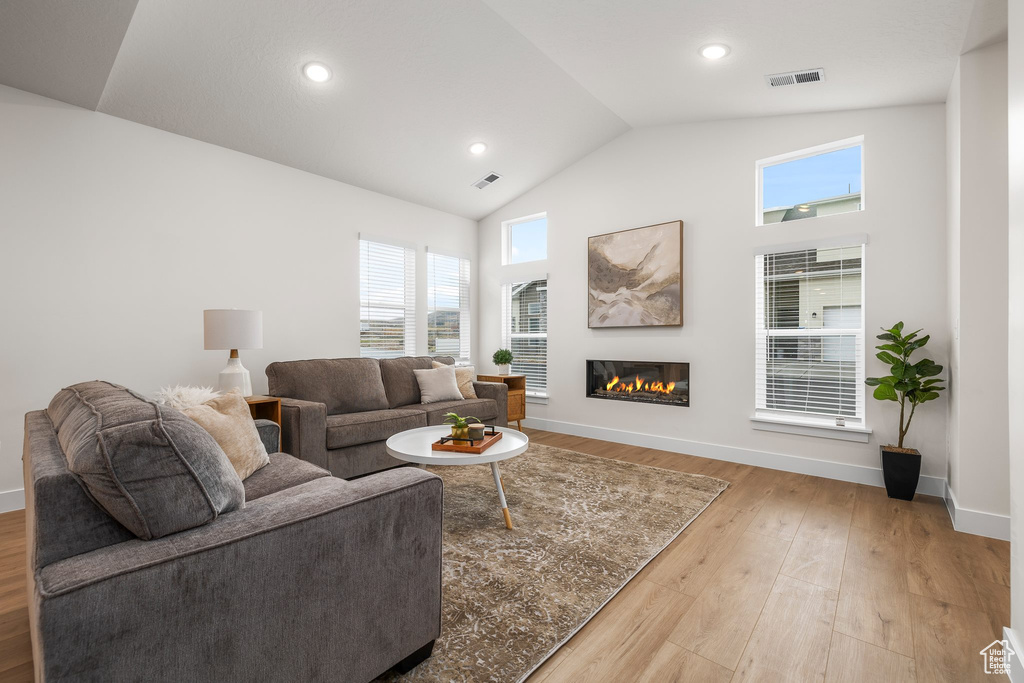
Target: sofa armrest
x: 347, y: 574
x: 304, y: 430
x: 499, y: 392
x: 270, y: 435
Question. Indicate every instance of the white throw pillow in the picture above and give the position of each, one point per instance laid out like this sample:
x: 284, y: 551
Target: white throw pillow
x: 229, y: 422
x: 180, y: 397
x: 464, y: 376
x: 438, y: 385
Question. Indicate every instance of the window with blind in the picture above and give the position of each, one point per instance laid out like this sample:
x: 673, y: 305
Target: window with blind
x: 447, y: 306
x: 387, y: 300
x: 809, y: 364
x: 525, y: 325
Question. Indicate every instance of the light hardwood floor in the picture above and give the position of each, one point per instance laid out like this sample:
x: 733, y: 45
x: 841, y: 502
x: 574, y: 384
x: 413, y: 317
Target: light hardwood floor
x: 784, y: 577
x: 787, y: 577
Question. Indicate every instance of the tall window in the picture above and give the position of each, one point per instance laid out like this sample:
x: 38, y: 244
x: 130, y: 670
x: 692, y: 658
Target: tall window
x: 525, y: 324
x: 809, y: 364
x: 387, y: 300
x: 447, y: 306
x: 819, y: 181
x: 526, y: 239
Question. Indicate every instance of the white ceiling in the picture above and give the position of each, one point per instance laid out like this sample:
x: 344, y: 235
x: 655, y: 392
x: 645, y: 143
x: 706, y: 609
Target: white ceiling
x: 640, y: 58
x: 543, y: 83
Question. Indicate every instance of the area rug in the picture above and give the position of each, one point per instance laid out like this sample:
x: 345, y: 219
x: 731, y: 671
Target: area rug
x: 584, y: 526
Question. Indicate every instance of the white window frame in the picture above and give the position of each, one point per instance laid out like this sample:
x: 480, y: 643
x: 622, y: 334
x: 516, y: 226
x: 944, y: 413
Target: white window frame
x: 804, y: 154
x: 465, y: 322
x: 794, y: 422
x: 506, y: 238
x: 507, y: 335
x: 408, y: 298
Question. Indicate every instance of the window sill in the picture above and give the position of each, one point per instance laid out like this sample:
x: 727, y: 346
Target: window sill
x: 768, y: 424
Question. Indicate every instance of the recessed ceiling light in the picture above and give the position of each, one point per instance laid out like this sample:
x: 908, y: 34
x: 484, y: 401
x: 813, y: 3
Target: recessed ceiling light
x: 477, y: 148
x: 317, y: 72
x: 714, y: 51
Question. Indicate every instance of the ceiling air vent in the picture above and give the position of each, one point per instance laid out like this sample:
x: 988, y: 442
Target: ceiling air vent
x: 486, y: 180
x: 795, y: 77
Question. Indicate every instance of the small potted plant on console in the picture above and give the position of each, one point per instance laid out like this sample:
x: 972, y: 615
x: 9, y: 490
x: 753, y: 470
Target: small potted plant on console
x: 503, y: 359
x: 906, y: 385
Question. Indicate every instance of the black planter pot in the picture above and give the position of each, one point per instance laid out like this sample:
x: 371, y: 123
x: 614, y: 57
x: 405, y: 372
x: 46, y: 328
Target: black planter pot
x: 901, y: 472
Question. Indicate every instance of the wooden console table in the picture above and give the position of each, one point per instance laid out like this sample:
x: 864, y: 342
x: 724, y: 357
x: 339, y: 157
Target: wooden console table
x: 516, y: 395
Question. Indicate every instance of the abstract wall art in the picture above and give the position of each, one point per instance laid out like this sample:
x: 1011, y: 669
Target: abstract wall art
x: 635, y: 277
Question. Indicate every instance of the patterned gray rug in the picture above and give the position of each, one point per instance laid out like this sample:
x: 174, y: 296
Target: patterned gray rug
x: 584, y: 526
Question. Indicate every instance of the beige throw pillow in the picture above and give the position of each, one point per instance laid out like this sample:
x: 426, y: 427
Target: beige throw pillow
x: 229, y: 422
x: 464, y: 376
x: 438, y: 385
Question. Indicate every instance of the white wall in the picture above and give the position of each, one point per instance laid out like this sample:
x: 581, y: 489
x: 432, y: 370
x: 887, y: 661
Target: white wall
x: 704, y: 175
x: 116, y: 236
x: 1015, y: 82
x: 978, y: 276
x: 953, y: 278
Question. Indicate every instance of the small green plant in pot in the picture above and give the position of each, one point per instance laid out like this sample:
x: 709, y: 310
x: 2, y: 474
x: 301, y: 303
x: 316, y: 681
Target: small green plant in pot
x: 460, y: 425
x: 503, y: 359
x: 909, y: 385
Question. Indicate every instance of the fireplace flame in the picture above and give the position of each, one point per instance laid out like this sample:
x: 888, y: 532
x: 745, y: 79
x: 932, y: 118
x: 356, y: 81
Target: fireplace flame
x: 638, y: 384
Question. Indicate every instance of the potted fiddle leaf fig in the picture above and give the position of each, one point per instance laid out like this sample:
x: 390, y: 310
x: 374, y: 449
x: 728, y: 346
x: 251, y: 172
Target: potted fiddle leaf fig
x: 907, y: 384
x: 503, y: 359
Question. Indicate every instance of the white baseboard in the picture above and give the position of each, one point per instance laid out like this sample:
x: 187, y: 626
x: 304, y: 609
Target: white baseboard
x: 976, y: 522
x: 12, y: 500
x: 872, y: 476
x: 1017, y: 661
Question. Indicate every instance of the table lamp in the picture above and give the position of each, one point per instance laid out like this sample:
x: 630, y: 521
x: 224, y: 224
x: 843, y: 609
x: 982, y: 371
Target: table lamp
x: 230, y: 328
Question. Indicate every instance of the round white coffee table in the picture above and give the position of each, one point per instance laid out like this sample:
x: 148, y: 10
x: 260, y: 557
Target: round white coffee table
x: 413, y: 445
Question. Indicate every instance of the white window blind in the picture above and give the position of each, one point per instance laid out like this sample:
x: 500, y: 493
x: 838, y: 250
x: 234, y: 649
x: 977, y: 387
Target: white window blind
x: 387, y: 300
x: 525, y: 331
x: 448, y: 328
x: 809, y: 364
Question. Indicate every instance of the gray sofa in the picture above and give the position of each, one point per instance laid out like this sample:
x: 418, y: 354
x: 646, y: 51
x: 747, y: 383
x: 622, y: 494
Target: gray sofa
x: 337, y: 413
x: 290, y: 575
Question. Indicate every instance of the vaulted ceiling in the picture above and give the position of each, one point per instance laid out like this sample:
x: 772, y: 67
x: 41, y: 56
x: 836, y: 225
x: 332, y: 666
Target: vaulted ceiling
x: 416, y: 82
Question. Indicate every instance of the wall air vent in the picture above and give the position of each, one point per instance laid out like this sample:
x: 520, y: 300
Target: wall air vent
x: 486, y: 180
x: 795, y: 77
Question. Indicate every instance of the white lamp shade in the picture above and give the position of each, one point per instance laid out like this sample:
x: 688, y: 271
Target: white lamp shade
x: 230, y: 328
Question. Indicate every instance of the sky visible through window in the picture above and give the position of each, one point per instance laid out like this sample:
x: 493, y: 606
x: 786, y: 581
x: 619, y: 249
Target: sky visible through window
x: 528, y: 241
x: 806, y: 180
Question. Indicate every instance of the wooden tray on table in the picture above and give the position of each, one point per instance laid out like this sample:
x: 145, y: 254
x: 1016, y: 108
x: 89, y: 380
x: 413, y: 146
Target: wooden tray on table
x: 469, y: 446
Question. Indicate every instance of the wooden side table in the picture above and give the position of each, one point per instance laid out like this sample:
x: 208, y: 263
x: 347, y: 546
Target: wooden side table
x: 516, y: 395
x: 265, y: 408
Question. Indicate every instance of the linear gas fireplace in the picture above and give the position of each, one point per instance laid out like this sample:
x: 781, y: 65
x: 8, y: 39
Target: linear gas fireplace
x: 665, y: 383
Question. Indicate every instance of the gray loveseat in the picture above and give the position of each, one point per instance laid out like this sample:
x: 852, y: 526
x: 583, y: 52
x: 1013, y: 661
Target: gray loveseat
x: 291, y: 575
x: 337, y: 413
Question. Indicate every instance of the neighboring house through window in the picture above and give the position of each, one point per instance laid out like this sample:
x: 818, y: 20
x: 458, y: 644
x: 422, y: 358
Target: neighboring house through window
x: 525, y: 332
x: 820, y: 181
x: 809, y: 322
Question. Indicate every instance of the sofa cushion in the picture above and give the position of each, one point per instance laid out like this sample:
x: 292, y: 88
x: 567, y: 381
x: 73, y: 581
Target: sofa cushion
x: 375, y: 425
x: 438, y: 384
x: 465, y: 375
x: 282, y: 472
x: 150, y: 467
x: 399, y: 380
x: 484, y: 409
x: 344, y: 385
x: 228, y: 420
